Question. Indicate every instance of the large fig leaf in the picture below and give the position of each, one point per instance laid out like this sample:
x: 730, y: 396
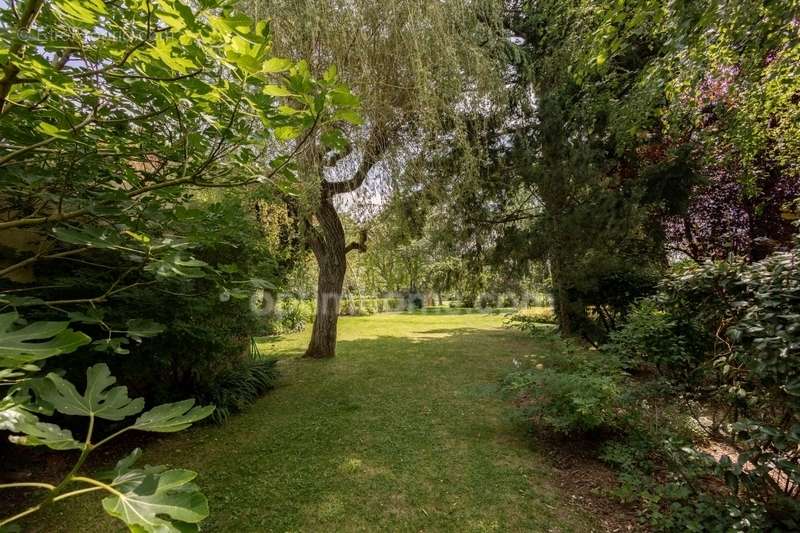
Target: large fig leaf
x: 171, y: 417
x: 88, y: 236
x: 154, y: 499
x: 7, y: 403
x: 141, y: 327
x: 35, y: 433
x: 98, y: 400
x: 35, y: 341
x: 123, y: 466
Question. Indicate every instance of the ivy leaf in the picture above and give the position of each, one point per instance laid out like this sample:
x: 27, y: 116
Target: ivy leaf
x: 7, y: 403
x: 114, y: 344
x: 157, y: 500
x: 52, y: 131
x: 334, y: 139
x: 163, y: 49
x: 174, y: 265
x: 259, y: 283
x: 343, y: 97
x: 286, y: 133
x: 85, y: 11
x: 98, y: 400
x: 171, y: 417
x: 22, y: 346
x: 7, y: 374
x: 87, y: 236
x: 34, y: 432
x: 123, y: 466
x: 239, y: 24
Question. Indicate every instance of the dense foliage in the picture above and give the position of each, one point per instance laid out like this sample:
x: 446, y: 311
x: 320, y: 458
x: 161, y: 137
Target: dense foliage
x: 175, y: 180
x: 718, y: 343
x: 649, y: 144
x: 568, y: 393
x: 114, y: 116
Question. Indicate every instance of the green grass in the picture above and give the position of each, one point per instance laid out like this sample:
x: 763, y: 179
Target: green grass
x: 402, y: 431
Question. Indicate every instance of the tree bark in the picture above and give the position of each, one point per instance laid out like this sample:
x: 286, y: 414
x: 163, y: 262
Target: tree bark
x: 328, y: 244
x: 327, y: 241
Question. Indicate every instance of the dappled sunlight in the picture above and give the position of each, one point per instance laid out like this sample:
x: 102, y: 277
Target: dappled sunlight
x: 403, y: 328
x: 407, y: 265
x: 398, y: 429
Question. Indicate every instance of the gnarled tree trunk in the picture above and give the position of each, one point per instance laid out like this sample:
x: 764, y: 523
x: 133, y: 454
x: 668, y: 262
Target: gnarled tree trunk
x: 327, y: 241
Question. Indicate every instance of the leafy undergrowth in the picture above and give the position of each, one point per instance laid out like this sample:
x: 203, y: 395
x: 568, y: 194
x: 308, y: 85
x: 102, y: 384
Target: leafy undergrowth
x: 402, y: 431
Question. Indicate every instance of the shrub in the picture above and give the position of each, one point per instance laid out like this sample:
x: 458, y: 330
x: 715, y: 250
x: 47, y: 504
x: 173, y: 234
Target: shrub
x: 235, y: 389
x: 413, y: 301
x: 468, y: 300
x: 532, y: 324
x: 487, y: 300
x: 567, y: 403
x: 571, y: 392
x: 208, y: 328
x: 654, y: 337
x: 738, y: 324
x: 508, y: 301
x: 206, y: 336
x: 369, y: 306
x: 293, y: 315
x: 756, y: 362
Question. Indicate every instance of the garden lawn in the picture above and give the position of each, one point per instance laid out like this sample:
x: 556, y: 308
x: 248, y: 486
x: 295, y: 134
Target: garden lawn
x: 402, y: 431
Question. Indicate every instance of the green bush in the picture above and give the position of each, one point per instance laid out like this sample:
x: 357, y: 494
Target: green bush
x: 369, y: 306
x: 567, y: 403
x: 207, y: 337
x: 572, y: 392
x: 236, y: 388
x: 753, y: 311
x: 725, y: 336
x: 652, y: 337
x: 533, y: 323
x: 293, y: 315
x: 487, y: 300
x: 206, y: 329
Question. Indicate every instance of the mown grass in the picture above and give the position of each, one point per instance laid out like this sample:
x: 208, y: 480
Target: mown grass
x: 402, y: 431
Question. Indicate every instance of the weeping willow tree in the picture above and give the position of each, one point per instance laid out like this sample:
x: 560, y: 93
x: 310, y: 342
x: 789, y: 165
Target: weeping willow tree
x: 416, y: 66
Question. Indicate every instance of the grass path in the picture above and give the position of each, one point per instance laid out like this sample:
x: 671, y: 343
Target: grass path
x: 401, y: 432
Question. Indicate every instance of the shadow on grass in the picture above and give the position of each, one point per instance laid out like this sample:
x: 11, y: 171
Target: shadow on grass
x: 462, y: 311
x: 393, y: 418
x: 386, y: 345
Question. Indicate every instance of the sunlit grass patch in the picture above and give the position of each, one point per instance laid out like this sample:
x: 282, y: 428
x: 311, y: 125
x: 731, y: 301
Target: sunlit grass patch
x: 400, y: 432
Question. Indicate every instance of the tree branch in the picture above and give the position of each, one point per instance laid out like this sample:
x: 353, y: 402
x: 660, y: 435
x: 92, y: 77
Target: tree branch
x: 10, y: 70
x: 44, y: 142
x: 361, y: 245
x: 99, y: 299
x: 39, y: 257
x: 191, y: 179
x: 374, y: 149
